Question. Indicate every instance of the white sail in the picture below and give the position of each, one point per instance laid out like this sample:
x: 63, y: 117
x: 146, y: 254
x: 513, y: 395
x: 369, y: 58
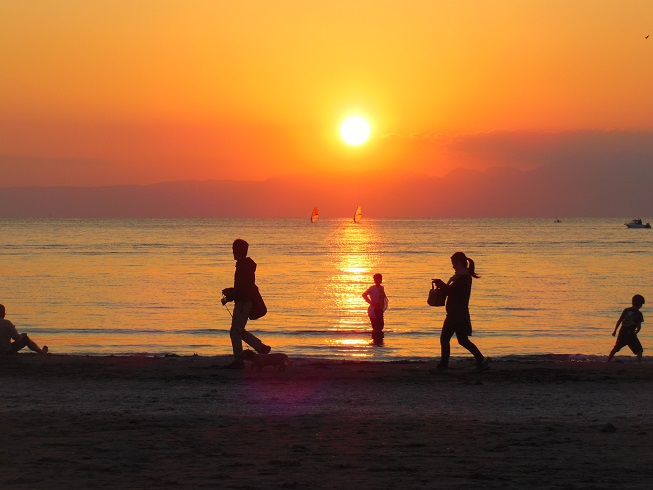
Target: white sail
x: 315, y: 215
x: 358, y: 215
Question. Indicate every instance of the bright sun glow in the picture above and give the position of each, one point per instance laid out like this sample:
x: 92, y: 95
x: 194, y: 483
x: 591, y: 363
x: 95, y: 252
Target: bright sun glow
x: 355, y: 130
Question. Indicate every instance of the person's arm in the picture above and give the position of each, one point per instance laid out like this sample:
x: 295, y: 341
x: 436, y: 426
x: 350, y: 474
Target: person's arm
x: 638, y: 327
x: 614, y: 332
x: 458, y: 285
x: 13, y: 332
x: 366, y: 297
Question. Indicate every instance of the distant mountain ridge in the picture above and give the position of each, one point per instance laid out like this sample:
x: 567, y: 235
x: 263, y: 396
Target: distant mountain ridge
x: 608, y: 190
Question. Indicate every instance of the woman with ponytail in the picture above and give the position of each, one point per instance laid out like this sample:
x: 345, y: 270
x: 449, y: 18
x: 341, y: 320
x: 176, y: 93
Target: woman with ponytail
x: 458, y: 290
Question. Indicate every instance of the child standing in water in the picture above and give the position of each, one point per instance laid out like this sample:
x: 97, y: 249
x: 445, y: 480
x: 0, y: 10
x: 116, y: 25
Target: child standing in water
x: 378, y: 301
x: 631, y: 320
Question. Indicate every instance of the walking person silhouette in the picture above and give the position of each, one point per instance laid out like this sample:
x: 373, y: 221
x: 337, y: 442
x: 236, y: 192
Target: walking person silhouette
x: 243, y: 294
x: 458, y: 290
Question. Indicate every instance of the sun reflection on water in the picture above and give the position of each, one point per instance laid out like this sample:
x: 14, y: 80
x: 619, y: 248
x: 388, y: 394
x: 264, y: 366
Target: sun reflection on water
x: 352, y: 347
x: 355, y: 258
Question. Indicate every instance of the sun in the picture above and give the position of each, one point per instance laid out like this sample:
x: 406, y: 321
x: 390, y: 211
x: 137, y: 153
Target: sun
x: 355, y: 130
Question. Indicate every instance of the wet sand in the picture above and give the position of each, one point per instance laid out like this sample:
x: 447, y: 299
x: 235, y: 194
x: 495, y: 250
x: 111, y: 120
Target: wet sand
x: 73, y: 422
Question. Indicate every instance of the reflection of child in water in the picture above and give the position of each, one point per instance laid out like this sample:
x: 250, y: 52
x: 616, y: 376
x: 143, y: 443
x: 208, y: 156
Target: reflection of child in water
x: 631, y: 322
x: 378, y: 301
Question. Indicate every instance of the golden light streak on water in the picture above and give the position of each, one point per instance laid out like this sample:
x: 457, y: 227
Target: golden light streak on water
x: 354, y: 272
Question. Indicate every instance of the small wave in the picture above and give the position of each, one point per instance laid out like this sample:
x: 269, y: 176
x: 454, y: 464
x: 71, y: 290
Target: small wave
x: 322, y: 332
x: 119, y: 331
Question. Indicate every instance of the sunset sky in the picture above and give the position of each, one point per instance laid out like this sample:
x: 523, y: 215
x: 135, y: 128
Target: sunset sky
x: 138, y: 92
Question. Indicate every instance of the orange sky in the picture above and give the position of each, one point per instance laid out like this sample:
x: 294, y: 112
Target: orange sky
x: 111, y: 92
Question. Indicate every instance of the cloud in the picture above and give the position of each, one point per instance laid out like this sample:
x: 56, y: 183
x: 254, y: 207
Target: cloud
x: 543, y: 148
x: 438, y: 154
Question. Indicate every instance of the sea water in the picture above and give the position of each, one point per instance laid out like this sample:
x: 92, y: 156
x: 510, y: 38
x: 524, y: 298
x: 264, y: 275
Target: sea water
x: 154, y: 286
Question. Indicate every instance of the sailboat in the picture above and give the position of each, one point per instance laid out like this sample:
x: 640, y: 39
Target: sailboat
x: 315, y: 215
x: 358, y: 215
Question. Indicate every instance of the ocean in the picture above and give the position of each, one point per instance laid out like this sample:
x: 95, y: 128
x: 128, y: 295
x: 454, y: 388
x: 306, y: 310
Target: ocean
x: 153, y: 286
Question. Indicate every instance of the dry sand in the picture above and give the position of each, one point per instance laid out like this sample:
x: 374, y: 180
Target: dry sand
x: 79, y: 422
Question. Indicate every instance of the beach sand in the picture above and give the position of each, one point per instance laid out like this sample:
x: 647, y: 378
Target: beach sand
x: 137, y: 422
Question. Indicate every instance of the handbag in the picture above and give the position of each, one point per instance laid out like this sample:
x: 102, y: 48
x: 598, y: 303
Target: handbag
x: 258, y: 306
x: 437, y: 296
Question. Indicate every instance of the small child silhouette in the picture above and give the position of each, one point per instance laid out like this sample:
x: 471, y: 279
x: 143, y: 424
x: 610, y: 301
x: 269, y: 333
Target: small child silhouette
x: 631, y: 320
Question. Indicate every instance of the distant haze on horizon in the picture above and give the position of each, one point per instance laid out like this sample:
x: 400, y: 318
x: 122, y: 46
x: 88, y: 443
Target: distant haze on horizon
x: 477, y: 108
x: 554, y: 189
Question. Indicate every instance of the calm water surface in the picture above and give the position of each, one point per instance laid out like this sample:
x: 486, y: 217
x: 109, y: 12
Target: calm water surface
x: 153, y: 286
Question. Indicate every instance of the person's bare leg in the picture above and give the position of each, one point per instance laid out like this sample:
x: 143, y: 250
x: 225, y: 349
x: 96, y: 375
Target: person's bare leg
x: 31, y: 345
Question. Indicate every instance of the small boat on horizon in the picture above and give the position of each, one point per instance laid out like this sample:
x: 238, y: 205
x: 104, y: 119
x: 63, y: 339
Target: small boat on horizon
x: 637, y: 223
x: 315, y: 215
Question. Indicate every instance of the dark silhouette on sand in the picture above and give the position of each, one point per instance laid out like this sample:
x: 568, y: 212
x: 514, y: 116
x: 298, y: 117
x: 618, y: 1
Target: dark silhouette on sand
x: 278, y: 360
x: 631, y: 323
x: 244, y: 294
x: 458, y: 321
x: 8, y: 333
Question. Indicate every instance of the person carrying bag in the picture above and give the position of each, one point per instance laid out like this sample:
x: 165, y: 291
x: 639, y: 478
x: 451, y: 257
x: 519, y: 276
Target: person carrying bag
x: 248, y: 305
x: 457, y: 322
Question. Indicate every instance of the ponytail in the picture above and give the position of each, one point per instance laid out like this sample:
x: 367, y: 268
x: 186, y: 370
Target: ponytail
x: 469, y: 263
x: 471, y: 268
